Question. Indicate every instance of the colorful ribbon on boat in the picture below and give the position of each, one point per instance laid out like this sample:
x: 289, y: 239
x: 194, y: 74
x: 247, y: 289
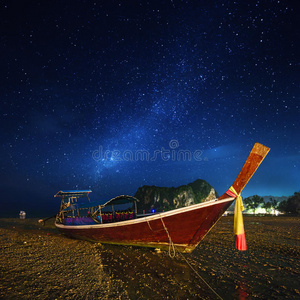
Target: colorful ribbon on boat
x: 238, y: 228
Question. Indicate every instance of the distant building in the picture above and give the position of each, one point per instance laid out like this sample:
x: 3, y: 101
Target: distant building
x: 22, y: 214
x: 262, y: 211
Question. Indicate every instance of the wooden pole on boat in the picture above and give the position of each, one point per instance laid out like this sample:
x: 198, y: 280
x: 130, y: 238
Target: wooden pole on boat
x: 255, y: 158
x: 135, y: 208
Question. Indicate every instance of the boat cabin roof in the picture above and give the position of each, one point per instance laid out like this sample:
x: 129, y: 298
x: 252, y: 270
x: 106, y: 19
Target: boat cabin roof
x: 123, y: 199
x: 73, y: 193
x: 119, y: 200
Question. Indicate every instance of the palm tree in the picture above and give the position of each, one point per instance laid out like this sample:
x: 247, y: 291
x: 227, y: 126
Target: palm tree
x: 274, y: 204
x: 253, y: 202
x: 267, y: 206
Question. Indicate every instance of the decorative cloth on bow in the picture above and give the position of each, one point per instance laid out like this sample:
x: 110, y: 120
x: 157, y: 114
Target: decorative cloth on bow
x: 238, y: 228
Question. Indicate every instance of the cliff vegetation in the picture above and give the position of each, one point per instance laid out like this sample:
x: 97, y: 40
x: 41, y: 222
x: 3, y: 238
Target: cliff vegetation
x: 168, y: 198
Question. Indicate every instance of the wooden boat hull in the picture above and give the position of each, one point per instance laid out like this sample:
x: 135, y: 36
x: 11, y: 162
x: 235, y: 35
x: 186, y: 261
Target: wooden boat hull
x: 185, y: 227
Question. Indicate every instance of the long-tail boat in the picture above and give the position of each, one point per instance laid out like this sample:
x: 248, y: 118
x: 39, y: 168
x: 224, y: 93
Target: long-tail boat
x: 183, y: 228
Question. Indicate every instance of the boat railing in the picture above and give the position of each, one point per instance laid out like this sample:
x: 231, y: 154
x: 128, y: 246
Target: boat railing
x: 79, y: 221
x: 109, y: 217
x: 104, y: 217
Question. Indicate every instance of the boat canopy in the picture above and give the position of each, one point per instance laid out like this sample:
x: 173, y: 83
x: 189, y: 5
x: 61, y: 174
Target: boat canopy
x: 73, y: 193
x: 123, y: 199
x: 119, y: 200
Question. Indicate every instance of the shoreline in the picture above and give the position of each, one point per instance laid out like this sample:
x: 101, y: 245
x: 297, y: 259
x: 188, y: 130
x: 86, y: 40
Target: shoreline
x: 38, y: 262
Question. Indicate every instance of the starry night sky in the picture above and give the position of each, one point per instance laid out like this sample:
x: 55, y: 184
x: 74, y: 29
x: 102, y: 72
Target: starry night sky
x: 113, y: 95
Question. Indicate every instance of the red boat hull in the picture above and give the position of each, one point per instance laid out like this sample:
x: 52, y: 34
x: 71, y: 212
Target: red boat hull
x: 185, y: 227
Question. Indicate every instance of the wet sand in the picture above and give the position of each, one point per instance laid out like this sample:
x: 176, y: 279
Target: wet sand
x: 38, y: 262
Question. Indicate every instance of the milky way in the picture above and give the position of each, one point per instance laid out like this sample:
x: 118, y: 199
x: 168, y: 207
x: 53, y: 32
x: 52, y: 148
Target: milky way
x: 112, y: 95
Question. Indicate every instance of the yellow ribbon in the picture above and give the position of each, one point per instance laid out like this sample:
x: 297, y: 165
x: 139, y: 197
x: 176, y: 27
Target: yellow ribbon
x: 238, y: 227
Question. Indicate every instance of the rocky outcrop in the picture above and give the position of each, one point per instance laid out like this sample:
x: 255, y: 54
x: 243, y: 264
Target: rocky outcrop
x: 165, y: 198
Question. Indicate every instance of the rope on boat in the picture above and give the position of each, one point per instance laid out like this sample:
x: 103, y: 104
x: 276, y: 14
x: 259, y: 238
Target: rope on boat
x: 172, y: 255
x: 151, y: 227
x: 171, y: 244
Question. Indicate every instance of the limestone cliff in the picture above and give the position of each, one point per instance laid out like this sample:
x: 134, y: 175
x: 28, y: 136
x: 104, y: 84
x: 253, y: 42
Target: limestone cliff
x: 164, y: 198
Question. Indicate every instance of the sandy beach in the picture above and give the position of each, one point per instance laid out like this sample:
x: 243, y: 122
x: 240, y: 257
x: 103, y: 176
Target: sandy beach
x: 38, y: 262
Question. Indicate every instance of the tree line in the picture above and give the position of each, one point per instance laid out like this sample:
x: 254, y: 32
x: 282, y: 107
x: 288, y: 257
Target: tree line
x: 289, y: 206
